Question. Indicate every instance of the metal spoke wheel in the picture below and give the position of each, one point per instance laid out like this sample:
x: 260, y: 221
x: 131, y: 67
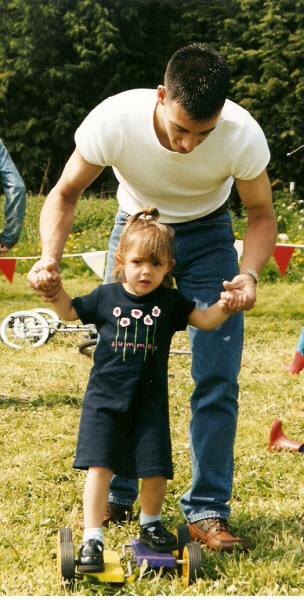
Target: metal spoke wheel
x: 51, y: 317
x: 192, y: 563
x: 65, y: 557
x: 23, y: 329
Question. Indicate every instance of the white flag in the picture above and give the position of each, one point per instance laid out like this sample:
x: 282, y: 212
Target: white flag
x: 238, y: 244
x: 96, y: 261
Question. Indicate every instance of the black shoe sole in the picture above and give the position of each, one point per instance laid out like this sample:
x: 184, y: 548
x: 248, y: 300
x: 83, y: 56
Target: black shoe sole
x: 161, y: 549
x: 90, y: 568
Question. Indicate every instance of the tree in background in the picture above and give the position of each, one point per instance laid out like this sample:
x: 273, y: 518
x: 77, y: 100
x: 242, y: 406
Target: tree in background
x: 59, y: 58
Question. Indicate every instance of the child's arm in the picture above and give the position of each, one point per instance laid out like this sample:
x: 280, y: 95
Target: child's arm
x: 63, y: 306
x: 216, y: 314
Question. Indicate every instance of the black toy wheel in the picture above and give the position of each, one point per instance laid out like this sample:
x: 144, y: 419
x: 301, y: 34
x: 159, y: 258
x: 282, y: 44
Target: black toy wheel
x: 65, y: 557
x: 65, y: 534
x: 183, y: 537
x: 192, y: 563
x: 88, y: 347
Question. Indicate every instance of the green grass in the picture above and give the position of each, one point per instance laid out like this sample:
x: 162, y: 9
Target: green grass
x: 40, y: 403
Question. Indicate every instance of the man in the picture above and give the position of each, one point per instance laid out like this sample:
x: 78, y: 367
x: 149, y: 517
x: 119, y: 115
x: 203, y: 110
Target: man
x: 15, y: 197
x: 180, y: 149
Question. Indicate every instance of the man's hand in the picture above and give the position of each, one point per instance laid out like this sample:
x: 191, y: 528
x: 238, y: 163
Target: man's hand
x: 44, y: 278
x: 3, y: 249
x: 245, y: 283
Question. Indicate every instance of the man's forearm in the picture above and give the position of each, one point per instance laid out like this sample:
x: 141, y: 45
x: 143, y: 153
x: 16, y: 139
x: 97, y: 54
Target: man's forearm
x: 56, y: 221
x: 258, y: 244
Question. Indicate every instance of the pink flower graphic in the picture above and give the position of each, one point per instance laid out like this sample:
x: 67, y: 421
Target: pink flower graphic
x: 147, y: 321
x: 155, y: 312
x: 124, y: 322
x: 117, y: 313
x: 136, y: 313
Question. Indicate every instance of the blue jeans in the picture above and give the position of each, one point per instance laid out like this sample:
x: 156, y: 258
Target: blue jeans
x: 205, y: 256
x: 14, y: 190
x: 300, y: 344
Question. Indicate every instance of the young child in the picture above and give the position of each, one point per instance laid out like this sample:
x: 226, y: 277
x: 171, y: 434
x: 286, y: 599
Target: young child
x: 124, y: 426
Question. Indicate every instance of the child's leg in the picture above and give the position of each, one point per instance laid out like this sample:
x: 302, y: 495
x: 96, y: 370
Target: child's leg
x: 152, y: 495
x: 95, y: 498
x: 152, y: 531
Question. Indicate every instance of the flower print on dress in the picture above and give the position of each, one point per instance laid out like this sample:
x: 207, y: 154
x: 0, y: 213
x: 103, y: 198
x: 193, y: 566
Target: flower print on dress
x: 148, y: 322
x: 125, y: 322
x: 155, y: 313
x: 136, y: 314
x: 117, y: 313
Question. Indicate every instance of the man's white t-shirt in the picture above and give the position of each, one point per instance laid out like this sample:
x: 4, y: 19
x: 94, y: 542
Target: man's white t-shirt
x: 120, y: 133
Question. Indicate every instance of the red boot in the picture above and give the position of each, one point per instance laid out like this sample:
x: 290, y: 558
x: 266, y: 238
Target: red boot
x: 279, y: 441
x: 296, y: 365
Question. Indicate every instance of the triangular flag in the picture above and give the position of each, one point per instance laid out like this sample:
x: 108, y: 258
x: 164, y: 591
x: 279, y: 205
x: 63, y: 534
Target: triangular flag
x: 96, y: 261
x: 282, y: 256
x: 7, y: 267
x: 238, y: 244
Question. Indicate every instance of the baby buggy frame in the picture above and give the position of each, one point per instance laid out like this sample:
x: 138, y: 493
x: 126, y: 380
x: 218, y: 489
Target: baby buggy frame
x: 26, y: 328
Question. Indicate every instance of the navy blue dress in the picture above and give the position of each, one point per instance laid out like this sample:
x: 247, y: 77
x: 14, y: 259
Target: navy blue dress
x: 124, y: 423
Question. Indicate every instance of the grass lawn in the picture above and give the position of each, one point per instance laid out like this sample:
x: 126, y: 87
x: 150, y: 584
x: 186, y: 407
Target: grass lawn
x: 40, y: 400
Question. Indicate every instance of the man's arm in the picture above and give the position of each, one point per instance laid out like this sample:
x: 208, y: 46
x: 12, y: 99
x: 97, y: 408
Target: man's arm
x: 260, y: 236
x: 56, y: 221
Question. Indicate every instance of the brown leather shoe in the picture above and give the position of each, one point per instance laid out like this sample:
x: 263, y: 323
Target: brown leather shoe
x: 218, y: 536
x: 117, y: 513
x: 114, y: 513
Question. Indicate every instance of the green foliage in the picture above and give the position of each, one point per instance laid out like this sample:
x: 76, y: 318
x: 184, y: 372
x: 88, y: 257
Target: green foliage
x: 53, y: 65
x: 40, y: 403
x: 289, y: 210
x: 58, y: 59
x: 94, y: 220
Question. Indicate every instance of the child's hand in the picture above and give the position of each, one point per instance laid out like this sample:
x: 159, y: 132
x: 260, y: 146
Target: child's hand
x: 46, y: 278
x: 233, y: 301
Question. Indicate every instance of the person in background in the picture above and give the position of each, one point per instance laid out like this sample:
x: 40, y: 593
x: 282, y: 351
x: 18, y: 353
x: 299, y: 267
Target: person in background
x: 15, y: 199
x: 298, y: 360
x: 181, y: 147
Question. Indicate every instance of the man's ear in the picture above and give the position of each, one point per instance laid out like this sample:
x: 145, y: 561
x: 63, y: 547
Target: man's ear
x: 161, y: 94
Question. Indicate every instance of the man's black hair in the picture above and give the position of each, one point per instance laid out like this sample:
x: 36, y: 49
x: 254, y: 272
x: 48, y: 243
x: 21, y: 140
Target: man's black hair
x: 198, y: 77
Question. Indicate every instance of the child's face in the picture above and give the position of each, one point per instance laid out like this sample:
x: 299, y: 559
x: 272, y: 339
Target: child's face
x: 141, y: 274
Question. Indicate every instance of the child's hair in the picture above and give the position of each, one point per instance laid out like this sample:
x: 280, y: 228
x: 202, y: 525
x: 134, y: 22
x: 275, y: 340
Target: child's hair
x: 156, y: 241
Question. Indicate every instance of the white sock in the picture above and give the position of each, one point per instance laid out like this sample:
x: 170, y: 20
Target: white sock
x: 145, y: 519
x: 93, y: 533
